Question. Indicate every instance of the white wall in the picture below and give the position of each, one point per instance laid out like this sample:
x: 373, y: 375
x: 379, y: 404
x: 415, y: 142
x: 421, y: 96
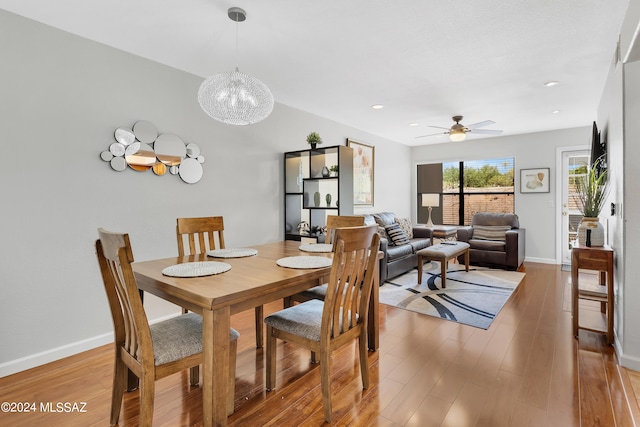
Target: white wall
x: 536, y: 212
x: 61, y: 99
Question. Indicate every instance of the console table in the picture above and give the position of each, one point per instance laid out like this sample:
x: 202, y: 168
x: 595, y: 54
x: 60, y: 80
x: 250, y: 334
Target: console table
x: 599, y: 259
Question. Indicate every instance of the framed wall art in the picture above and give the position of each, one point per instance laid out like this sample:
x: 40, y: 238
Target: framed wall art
x: 363, y: 172
x: 534, y: 180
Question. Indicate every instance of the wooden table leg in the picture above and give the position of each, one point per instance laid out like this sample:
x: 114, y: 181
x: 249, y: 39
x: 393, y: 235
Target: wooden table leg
x: 215, y: 354
x: 466, y: 259
x: 419, y: 268
x: 443, y: 272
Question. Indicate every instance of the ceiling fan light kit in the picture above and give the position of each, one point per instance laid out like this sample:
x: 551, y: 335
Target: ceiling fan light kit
x: 458, y: 132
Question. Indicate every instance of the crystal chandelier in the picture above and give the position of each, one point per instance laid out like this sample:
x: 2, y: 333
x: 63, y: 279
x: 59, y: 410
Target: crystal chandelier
x: 235, y: 98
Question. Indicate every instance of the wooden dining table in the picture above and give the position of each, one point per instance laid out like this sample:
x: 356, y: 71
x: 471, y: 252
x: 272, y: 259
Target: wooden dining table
x: 252, y: 281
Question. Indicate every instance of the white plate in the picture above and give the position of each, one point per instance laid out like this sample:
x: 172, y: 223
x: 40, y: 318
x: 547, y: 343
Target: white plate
x: 317, y: 247
x: 232, y: 253
x: 304, y: 262
x: 196, y: 269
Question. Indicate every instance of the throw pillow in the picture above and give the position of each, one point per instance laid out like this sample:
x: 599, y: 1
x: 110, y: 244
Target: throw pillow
x: 407, y: 227
x: 490, y: 232
x: 396, y: 235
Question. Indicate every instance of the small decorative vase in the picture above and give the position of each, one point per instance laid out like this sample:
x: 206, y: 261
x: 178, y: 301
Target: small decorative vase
x: 597, y: 231
x: 325, y: 172
x: 316, y: 199
x: 328, y: 199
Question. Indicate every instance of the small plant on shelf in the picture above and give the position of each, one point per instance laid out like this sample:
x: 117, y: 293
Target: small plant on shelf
x: 314, y: 138
x: 334, y: 170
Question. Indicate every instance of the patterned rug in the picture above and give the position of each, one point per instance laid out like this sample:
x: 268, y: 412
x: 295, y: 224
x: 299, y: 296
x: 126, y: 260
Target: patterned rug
x: 474, y: 298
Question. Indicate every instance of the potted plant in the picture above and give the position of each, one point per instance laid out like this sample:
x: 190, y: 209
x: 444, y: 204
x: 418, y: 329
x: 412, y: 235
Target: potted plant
x: 334, y: 170
x: 592, y: 190
x: 313, y: 138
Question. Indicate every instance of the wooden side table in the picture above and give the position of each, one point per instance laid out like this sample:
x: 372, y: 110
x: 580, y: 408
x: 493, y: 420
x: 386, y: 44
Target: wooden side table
x: 445, y: 232
x: 599, y: 259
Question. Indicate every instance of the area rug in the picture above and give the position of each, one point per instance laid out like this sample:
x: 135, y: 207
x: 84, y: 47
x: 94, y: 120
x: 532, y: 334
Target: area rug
x: 474, y: 298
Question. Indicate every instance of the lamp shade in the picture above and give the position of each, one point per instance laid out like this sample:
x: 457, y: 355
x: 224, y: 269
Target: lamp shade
x: 457, y: 135
x: 431, y: 200
x: 235, y: 98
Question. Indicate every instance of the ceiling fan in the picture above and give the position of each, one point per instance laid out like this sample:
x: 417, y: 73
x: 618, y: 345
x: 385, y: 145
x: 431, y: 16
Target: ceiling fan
x: 458, y: 132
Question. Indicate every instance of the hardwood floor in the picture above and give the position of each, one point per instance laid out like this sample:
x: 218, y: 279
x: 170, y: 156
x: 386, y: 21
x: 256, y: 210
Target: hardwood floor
x: 525, y: 370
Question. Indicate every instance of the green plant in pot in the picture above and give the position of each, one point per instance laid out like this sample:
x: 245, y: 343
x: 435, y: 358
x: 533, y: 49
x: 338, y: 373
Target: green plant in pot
x: 313, y: 139
x: 334, y: 170
x: 592, y: 190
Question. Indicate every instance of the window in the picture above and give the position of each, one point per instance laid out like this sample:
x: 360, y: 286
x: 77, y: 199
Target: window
x: 468, y: 187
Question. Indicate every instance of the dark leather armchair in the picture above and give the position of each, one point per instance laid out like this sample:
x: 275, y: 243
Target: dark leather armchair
x: 495, y: 240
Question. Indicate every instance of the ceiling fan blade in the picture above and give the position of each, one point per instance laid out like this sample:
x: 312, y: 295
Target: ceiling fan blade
x: 486, y: 131
x: 433, y: 134
x: 481, y: 124
x: 437, y: 127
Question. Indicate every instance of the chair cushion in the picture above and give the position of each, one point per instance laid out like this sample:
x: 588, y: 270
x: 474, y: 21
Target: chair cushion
x: 407, y: 227
x: 179, y: 337
x: 488, y: 245
x: 490, y: 232
x: 302, y: 319
x: 396, y: 235
x: 317, y: 292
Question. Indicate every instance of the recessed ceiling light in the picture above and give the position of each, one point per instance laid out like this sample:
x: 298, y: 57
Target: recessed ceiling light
x: 414, y: 124
x: 377, y: 106
x: 551, y: 83
x: 555, y: 111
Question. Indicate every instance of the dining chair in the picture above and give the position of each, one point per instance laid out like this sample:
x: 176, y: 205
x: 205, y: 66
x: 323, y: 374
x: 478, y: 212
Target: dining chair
x: 334, y: 222
x: 150, y: 352
x: 324, y: 326
x: 202, y: 235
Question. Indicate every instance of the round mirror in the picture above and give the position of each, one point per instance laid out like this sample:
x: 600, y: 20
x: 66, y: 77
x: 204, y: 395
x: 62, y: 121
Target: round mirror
x: 132, y: 148
x: 118, y: 164
x: 173, y: 170
x: 145, y: 131
x: 190, y: 171
x: 117, y: 149
x: 124, y: 136
x: 106, y: 156
x: 170, y: 149
x: 193, y: 150
x: 159, y: 168
x: 143, y: 159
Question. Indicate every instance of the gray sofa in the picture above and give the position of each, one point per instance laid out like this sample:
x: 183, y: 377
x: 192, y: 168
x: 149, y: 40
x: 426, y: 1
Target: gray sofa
x: 398, y: 259
x: 504, y: 250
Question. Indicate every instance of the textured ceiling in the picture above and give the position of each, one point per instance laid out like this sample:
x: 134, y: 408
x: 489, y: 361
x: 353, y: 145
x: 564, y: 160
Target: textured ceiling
x: 424, y: 60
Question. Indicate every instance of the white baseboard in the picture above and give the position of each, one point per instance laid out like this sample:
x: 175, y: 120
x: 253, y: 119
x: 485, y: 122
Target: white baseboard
x: 540, y: 260
x: 31, y: 361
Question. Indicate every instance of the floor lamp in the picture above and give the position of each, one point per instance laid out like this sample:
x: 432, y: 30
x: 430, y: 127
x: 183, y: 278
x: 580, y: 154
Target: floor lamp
x: 430, y: 201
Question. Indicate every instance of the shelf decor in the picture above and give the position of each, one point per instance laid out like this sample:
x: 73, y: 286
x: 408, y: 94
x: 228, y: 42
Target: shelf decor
x: 363, y: 172
x: 534, y: 180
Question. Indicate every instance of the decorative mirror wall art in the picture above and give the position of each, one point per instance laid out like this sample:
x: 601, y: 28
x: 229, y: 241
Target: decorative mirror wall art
x: 143, y: 149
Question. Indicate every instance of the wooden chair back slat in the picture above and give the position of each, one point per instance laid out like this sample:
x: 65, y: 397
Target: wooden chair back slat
x: 340, y: 221
x: 350, y: 280
x: 200, y: 234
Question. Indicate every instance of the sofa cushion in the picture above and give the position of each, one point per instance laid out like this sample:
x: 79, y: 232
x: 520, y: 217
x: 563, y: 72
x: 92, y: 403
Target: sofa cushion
x: 490, y: 232
x: 418, y: 244
x: 488, y: 245
x: 396, y: 235
x: 397, y: 252
x: 407, y: 227
x: 385, y: 218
